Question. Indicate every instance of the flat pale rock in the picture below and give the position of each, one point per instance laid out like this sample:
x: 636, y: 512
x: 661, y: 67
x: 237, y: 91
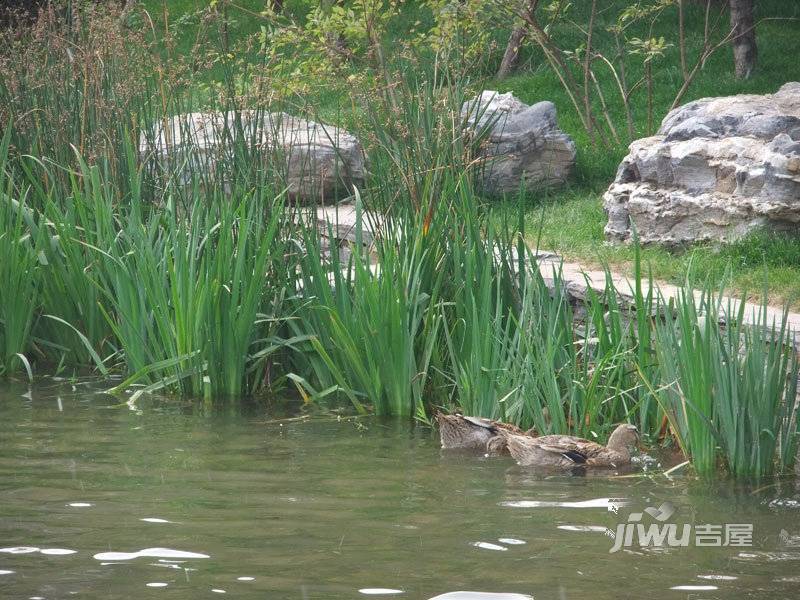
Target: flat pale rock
x: 717, y: 169
x: 314, y: 161
x: 523, y: 148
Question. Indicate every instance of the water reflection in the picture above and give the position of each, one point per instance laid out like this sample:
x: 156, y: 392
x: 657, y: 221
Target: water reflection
x: 150, y: 553
x: 225, y: 500
x: 33, y: 550
x: 595, y: 503
x: 154, y: 520
x: 481, y: 596
x: 511, y: 541
x: 489, y: 546
x: 694, y: 588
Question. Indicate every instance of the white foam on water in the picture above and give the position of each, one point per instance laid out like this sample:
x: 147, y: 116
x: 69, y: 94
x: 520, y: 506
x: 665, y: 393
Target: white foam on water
x: 718, y: 577
x: 80, y: 504
x: 156, y: 584
x: 694, y: 588
x: 19, y: 550
x: 380, y: 591
x: 57, y: 551
x: 245, y: 579
x: 149, y: 553
x: 154, y: 520
x: 488, y: 546
x: 595, y: 503
x: 6, y: 572
x: 583, y: 528
x: 511, y: 541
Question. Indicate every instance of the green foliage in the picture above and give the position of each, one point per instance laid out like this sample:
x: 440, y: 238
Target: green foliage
x: 728, y: 389
x: 19, y: 284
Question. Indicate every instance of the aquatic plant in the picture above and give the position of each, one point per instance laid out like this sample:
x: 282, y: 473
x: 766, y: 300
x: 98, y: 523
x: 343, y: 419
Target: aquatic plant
x: 19, y: 283
x: 728, y: 388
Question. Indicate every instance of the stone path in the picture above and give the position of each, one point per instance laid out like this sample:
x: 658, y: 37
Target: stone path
x: 575, y: 276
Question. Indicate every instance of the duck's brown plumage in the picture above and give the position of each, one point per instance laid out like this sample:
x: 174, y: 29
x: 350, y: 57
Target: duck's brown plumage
x: 475, y: 433
x: 568, y: 451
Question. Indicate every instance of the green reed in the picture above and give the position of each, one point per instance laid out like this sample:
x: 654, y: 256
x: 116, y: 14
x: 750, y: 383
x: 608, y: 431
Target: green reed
x: 19, y: 283
x: 729, y: 388
x: 755, y: 394
x: 196, y: 276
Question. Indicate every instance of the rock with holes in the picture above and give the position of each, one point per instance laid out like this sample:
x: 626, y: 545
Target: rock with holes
x: 717, y: 169
x: 311, y: 161
x: 523, y: 146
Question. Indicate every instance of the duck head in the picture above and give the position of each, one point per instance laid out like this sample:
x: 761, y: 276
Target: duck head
x: 624, y: 437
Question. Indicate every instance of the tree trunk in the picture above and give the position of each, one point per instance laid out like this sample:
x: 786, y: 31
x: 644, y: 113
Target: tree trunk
x: 511, y: 55
x: 744, y: 40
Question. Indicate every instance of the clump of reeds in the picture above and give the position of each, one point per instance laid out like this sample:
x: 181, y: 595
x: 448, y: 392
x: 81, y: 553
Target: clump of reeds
x: 213, y: 285
x: 729, y: 389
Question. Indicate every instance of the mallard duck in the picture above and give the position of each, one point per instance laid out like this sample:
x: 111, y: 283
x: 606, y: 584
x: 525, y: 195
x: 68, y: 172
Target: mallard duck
x: 475, y: 433
x: 568, y: 451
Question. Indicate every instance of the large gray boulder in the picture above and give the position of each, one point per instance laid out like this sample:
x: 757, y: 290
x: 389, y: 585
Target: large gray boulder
x: 717, y: 169
x: 314, y: 161
x: 524, y: 146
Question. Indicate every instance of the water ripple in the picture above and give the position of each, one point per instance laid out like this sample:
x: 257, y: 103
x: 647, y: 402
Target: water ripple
x: 488, y: 546
x: 33, y: 550
x: 594, y: 503
x: 599, y: 528
x: 481, y: 596
x: 154, y: 520
x: 149, y: 553
x: 20, y: 550
x: 694, y: 588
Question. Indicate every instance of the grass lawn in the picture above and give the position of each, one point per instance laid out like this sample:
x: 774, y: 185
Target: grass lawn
x: 571, y: 221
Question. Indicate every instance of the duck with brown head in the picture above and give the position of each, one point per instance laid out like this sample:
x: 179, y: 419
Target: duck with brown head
x: 566, y: 451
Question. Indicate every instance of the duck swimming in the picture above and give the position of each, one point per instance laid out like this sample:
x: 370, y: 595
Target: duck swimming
x: 476, y: 433
x: 566, y: 451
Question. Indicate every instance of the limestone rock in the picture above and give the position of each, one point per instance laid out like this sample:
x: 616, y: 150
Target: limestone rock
x: 717, y: 169
x: 313, y: 161
x: 524, y: 146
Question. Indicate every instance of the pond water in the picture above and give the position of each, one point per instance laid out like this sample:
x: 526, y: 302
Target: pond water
x: 173, y: 502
